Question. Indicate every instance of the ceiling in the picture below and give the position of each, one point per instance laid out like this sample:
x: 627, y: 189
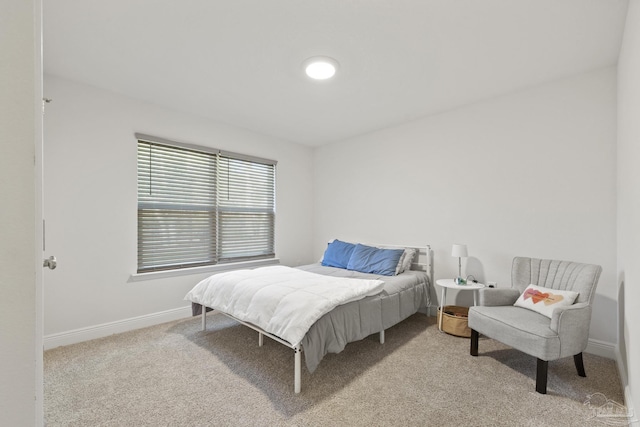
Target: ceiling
x: 240, y: 61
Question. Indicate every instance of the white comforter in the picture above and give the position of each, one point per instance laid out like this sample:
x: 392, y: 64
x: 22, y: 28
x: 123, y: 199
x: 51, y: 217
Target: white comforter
x: 281, y: 300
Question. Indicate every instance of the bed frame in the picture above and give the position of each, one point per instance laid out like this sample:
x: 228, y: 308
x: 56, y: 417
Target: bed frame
x: 423, y: 262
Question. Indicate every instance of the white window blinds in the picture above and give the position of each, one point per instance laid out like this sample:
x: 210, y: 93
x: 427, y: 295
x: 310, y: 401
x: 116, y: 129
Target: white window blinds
x: 198, y: 206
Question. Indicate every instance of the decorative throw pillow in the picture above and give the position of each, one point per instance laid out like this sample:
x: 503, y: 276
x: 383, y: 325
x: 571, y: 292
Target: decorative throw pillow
x: 400, y: 264
x: 409, y: 255
x: 544, y: 300
x: 338, y: 254
x: 405, y: 261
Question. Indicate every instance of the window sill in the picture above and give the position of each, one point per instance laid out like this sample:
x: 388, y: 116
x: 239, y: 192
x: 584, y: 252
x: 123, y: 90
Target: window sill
x: 219, y: 268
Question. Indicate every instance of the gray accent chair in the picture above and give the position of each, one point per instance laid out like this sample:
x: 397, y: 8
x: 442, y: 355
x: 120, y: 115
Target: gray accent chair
x: 565, y: 334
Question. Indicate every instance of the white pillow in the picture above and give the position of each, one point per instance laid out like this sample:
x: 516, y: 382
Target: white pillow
x: 545, y: 300
x: 407, y: 260
x: 400, y: 264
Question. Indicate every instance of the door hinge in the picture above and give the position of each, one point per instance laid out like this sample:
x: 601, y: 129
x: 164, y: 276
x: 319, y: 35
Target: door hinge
x: 44, y: 102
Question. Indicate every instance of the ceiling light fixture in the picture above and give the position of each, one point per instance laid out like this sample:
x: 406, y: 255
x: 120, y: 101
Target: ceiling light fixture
x: 320, y: 67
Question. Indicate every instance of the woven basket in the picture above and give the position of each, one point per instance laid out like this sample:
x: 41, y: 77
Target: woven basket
x: 455, y: 320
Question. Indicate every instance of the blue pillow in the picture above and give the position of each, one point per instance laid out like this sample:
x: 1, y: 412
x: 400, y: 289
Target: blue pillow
x: 368, y: 259
x: 338, y: 254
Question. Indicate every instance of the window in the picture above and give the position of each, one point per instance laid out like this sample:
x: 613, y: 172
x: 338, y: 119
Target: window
x: 200, y: 206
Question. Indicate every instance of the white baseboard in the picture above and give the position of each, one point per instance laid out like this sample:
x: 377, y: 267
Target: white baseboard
x: 634, y: 417
x: 601, y: 348
x: 628, y: 399
x: 106, y: 329
x: 597, y: 347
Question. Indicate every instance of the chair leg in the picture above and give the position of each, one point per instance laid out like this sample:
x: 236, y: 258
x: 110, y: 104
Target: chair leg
x: 577, y: 358
x: 541, y: 376
x: 474, y: 342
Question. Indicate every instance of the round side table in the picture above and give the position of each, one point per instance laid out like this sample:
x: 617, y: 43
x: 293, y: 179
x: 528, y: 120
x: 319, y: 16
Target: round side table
x: 451, y: 284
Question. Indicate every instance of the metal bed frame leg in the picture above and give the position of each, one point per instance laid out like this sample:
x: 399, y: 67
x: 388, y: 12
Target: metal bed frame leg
x: 382, y: 336
x: 204, y: 318
x: 296, y: 373
x: 260, y: 339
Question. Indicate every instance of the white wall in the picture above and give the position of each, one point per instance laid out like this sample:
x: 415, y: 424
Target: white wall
x: 91, y: 201
x: 20, y: 355
x: 530, y: 174
x: 629, y: 202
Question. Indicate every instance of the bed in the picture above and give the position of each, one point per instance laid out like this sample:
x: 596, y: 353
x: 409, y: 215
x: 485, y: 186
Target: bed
x: 380, y: 301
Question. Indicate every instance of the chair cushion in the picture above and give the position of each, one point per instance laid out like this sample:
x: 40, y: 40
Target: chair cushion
x: 522, y: 329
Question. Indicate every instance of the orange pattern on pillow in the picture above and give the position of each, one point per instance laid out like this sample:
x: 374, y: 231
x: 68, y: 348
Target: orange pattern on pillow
x: 547, y: 297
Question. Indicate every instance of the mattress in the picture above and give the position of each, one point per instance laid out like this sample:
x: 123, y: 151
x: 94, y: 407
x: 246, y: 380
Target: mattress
x: 280, y: 300
x: 402, y: 296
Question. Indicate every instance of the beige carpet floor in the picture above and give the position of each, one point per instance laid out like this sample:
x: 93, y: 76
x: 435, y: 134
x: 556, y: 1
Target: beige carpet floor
x: 176, y: 375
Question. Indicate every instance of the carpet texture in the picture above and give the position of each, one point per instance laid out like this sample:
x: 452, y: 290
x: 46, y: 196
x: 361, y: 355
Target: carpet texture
x: 176, y: 375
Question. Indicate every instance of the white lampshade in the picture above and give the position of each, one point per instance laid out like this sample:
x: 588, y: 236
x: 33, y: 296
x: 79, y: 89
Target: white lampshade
x: 459, y: 251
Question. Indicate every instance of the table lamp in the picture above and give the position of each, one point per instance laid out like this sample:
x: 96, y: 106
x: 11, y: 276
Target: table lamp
x: 459, y: 251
